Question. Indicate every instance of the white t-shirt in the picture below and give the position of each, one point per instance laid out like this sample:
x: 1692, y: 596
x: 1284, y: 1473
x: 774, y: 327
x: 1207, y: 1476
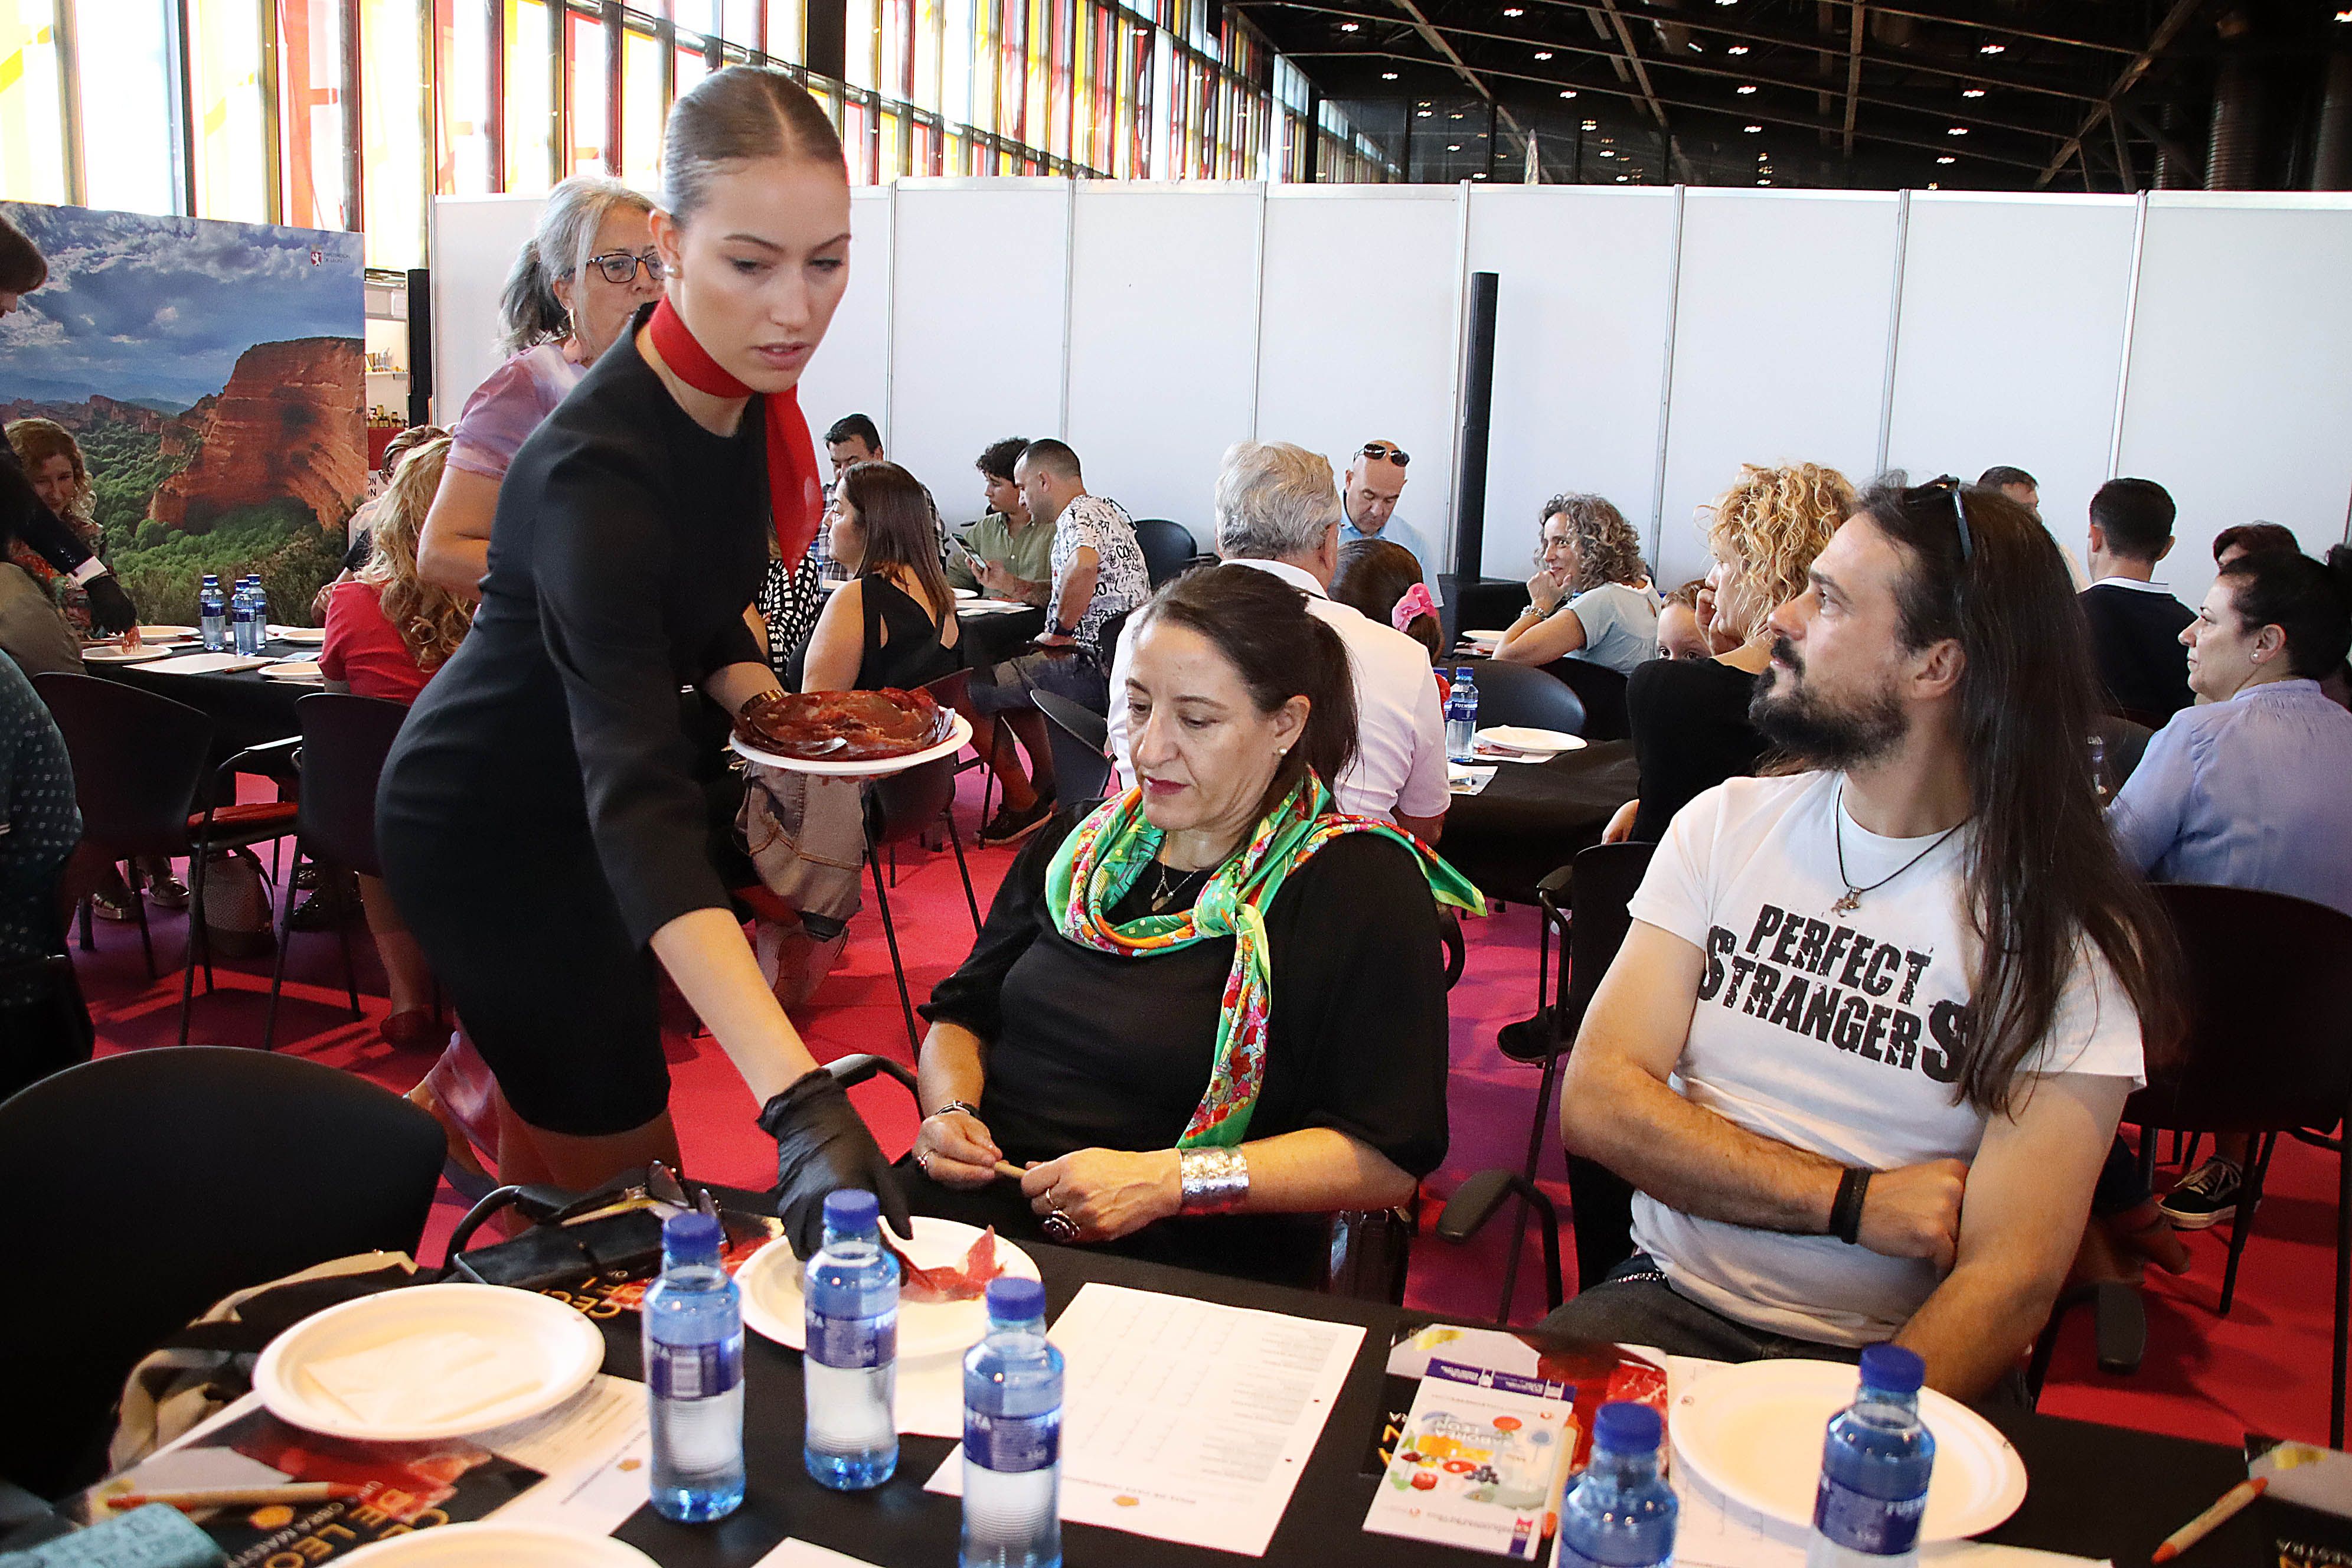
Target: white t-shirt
x: 1834, y: 1034
x: 1620, y: 625
x: 1400, y: 726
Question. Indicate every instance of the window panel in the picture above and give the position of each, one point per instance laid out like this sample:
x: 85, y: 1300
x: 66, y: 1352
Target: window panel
x: 641, y: 108
x: 392, y: 126
x: 232, y: 172
x: 310, y: 113
x: 691, y: 67
x: 861, y: 34
x: 530, y: 98
x: 32, y: 107
x: 126, y: 148
x: 587, y: 57
x: 463, y: 145
x: 787, y: 30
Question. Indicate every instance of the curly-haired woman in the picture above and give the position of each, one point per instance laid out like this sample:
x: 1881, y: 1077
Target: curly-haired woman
x: 1591, y: 600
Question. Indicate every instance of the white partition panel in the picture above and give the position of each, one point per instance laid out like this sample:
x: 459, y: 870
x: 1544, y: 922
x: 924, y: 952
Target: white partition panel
x: 1163, y: 341
x: 2240, y: 396
x: 1361, y: 332
x: 2011, y: 341
x: 475, y: 242
x: 851, y: 371
x: 1780, y: 323
x: 1581, y: 311
x: 978, y: 300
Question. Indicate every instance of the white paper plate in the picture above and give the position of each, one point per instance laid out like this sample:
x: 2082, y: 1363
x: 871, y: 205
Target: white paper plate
x: 1527, y: 738
x: 959, y: 731
x: 992, y: 607
x: 1485, y: 639
x: 562, y: 1347
x: 1754, y: 1432
x: 168, y: 634
x: 106, y: 653
x: 293, y: 669
x: 775, y: 1306
x: 303, y: 637
x: 502, y: 1546
x: 967, y: 592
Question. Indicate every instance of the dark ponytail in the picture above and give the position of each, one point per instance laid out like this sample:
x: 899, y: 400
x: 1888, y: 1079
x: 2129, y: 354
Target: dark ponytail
x: 2310, y: 603
x: 1262, y: 626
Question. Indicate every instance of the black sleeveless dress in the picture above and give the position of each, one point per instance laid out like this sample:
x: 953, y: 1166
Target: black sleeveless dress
x: 914, y: 655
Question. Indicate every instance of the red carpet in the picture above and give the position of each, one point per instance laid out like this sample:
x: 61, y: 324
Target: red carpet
x: 2264, y: 1368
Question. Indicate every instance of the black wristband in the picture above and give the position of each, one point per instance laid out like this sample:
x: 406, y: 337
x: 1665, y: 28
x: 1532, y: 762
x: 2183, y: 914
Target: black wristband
x: 1845, y: 1212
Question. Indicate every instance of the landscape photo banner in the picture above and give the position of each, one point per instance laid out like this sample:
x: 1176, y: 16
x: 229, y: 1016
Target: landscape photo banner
x: 213, y: 375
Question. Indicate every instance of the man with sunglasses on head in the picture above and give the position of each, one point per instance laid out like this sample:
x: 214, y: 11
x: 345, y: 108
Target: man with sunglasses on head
x: 1864, y: 1050
x: 1368, y: 498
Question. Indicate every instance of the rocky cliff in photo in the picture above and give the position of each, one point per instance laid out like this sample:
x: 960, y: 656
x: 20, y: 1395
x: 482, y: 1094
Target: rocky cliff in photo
x: 287, y: 425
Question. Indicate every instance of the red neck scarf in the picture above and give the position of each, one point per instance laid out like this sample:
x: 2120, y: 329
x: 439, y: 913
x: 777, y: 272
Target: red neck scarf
x: 795, y: 497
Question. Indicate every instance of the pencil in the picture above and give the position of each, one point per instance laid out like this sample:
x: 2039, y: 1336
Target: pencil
x: 1009, y: 1171
x: 2211, y: 1520
x: 191, y: 1497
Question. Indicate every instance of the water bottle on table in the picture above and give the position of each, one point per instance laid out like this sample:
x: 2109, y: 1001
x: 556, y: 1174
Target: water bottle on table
x: 240, y: 619
x: 260, y: 613
x: 1461, y: 717
x: 1621, y: 1514
x: 850, y: 1371
x: 1875, y: 1469
x: 1012, y: 1435
x: 693, y: 1339
x: 212, y: 615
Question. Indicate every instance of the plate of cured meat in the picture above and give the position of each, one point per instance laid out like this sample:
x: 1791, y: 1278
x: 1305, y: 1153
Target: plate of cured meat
x: 944, y: 1270
x: 848, y: 734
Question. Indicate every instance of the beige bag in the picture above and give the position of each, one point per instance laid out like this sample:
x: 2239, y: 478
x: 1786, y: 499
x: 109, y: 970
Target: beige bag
x: 237, y: 905
x: 806, y: 835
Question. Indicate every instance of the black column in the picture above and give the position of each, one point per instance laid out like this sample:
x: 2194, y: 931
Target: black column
x: 829, y: 27
x: 1477, y: 412
x: 420, y: 346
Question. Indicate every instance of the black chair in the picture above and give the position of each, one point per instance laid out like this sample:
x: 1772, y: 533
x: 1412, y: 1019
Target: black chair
x: 174, y: 1178
x: 1519, y: 694
x: 1167, y: 549
x: 1079, y: 738
x: 2122, y: 744
x: 1601, y: 882
x: 2269, y: 1050
x: 140, y: 762
x: 1601, y: 689
x: 899, y: 807
x: 345, y: 739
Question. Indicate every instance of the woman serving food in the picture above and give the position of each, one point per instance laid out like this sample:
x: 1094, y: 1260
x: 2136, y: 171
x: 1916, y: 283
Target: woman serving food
x: 546, y: 767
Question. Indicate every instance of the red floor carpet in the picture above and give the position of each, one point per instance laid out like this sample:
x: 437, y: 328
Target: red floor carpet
x: 2263, y: 1368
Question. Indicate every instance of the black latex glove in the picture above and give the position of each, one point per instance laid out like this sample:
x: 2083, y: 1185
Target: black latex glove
x: 110, y: 609
x: 822, y: 1146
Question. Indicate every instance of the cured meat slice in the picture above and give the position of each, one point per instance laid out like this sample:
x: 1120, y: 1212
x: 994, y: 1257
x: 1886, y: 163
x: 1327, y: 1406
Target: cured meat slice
x: 946, y: 1282
x: 844, y: 726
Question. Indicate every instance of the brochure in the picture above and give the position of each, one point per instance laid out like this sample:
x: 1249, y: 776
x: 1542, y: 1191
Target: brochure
x: 1480, y: 1462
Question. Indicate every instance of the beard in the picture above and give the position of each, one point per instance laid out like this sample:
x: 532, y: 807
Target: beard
x: 1819, y: 732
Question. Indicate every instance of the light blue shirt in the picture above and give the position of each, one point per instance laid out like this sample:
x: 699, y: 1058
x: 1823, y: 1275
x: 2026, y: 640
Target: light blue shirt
x: 1396, y: 531
x: 1620, y: 625
x: 2250, y: 793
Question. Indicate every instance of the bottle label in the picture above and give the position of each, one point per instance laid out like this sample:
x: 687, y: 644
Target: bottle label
x: 1877, y: 1527
x: 693, y: 1371
x: 1011, y: 1445
x: 852, y: 1343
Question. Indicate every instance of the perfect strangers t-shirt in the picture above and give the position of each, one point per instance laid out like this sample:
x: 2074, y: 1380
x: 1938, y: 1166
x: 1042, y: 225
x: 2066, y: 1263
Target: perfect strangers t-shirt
x: 1838, y: 1033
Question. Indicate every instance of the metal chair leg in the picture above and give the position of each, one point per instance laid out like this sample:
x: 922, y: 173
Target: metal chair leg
x: 962, y: 869
x: 2343, y: 1285
x: 89, y: 939
x: 2250, y: 1198
x: 890, y: 934
x: 277, y: 965
x: 195, y: 938
x: 351, y: 975
x: 146, y: 939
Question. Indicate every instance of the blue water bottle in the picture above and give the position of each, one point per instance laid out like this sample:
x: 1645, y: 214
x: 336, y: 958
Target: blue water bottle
x: 1012, y: 1435
x: 693, y: 1339
x: 1461, y: 717
x: 212, y: 614
x: 850, y: 1371
x: 1621, y: 1514
x: 241, y: 618
x: 260, y: 613
x: 1874, y: 1469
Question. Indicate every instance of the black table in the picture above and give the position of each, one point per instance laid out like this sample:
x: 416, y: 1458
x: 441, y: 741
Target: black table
x: 2097, y: 1491
x: 991, y: 640
x: 1533, y: 818
x: 248, y: 707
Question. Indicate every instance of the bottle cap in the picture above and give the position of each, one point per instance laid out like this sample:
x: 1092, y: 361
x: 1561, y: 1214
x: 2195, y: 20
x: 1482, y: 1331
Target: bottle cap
x: 1892, y: 1369
x: 1015, y: 1300
x: 1625, y: 1427
x: 691, y: 1236
x: 852, y: 1208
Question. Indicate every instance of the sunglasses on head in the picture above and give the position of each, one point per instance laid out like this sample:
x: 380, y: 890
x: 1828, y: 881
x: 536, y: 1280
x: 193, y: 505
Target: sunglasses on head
x: 1952, y: 487
x: 621, y: 265
x: 1382, y: 450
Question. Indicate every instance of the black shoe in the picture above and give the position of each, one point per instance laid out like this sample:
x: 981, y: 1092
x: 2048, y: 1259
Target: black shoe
x: 1011, y: 827
x: 2205, y: 1196
x: 1529, y: 1040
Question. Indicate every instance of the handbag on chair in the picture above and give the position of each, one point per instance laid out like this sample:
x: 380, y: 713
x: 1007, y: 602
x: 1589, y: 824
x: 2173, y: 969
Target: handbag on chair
x: 237, y: 905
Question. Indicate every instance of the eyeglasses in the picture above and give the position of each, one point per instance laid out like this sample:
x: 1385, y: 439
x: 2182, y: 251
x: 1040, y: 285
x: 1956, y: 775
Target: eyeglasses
x: 621, y: 265
x: 1382, y: 450
x: 1959, y: 514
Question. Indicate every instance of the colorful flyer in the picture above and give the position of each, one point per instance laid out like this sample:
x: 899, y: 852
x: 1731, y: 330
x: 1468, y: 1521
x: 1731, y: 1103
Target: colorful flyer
x: 1481, y: 1461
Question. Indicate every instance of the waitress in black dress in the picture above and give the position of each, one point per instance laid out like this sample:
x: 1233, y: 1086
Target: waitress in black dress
x: 539, y: 822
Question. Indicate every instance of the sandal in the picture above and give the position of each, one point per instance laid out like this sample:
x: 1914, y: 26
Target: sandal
x: 113, y: 909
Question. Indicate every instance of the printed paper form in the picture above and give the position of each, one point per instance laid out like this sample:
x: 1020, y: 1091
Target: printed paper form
x: 1186, y: 1420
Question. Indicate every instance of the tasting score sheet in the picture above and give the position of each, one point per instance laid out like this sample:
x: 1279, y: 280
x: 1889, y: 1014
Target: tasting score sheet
x: 1186, y: 1420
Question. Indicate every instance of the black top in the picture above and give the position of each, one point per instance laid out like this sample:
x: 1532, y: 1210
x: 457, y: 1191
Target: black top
x: 628, y: 542
x: 2136, y: 637
x: 1690, y: 733
x: 23, y: 515
x: 914, y: 655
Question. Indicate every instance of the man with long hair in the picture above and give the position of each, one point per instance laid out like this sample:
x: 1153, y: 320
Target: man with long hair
x: 1866, y: 1044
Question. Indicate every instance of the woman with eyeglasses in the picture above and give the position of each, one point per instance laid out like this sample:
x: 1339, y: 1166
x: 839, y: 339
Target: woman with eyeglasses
x: 569, y: 296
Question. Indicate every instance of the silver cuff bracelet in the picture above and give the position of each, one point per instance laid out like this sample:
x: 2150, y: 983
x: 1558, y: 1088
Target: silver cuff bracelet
x: 1214, y: 1181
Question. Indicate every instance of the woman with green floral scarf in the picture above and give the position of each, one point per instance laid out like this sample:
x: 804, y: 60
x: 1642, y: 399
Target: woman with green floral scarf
x: 1215, y: 1007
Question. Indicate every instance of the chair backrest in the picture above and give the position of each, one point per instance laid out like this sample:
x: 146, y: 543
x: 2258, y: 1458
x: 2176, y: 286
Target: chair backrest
x: 1077, y: 735
x: 173, y: 1178
x: 1607, y: 876
x: 2124, y: 744
x: 1515, y: 694
x: 1168, y: 547
x: 2268, y: 1044
x: 900, y: 806
x: 139, y: 762
x: 1601, y: 689
x: 345, y: 739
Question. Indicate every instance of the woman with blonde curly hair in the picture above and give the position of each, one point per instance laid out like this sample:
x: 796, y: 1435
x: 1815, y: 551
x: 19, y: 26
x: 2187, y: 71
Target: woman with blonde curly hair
x: 1591, y: 598
x: 1689, y: 718
x: 388, y: 630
